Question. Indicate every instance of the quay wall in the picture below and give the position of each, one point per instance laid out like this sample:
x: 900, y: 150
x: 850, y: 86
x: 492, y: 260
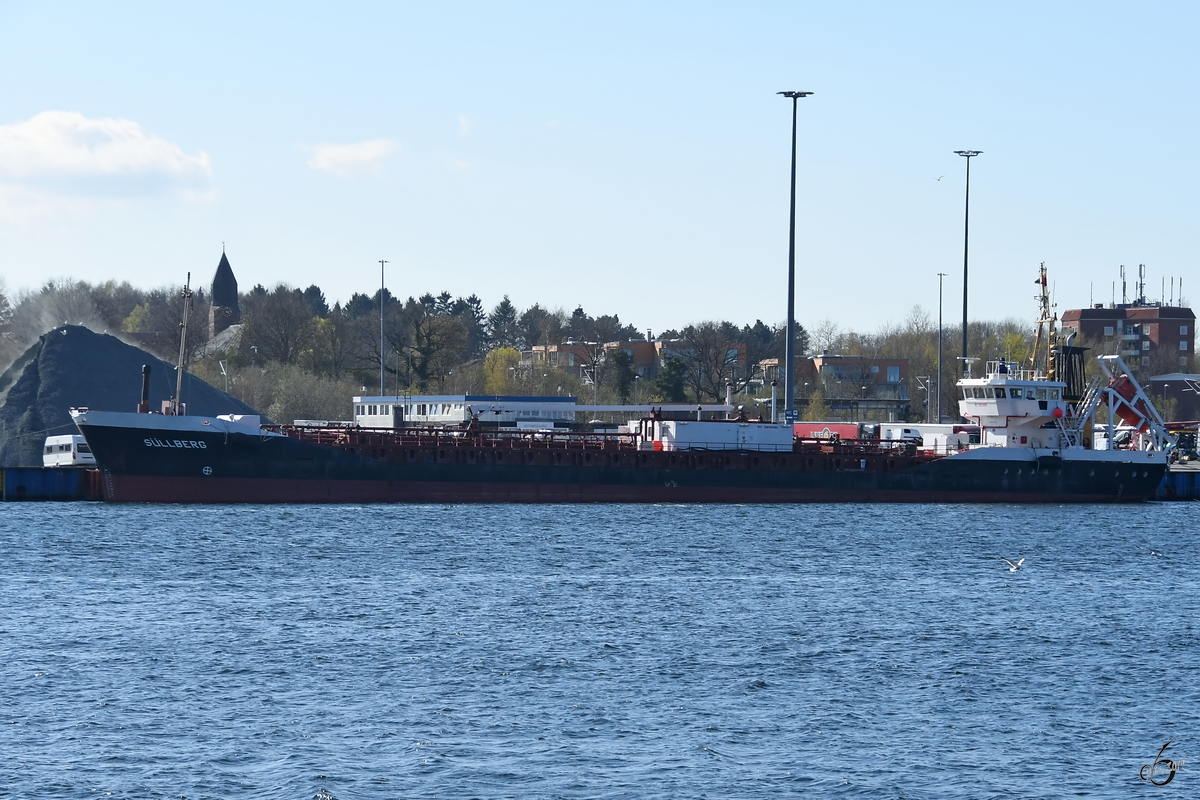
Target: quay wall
x: 49, y: 483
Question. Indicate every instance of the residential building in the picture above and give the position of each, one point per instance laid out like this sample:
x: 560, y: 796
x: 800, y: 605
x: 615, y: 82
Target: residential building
x: 1143, y: 333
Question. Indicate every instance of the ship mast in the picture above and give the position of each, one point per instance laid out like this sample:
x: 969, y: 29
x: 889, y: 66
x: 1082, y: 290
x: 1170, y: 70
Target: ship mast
x: 1041, y: 360
x: 186, y: 294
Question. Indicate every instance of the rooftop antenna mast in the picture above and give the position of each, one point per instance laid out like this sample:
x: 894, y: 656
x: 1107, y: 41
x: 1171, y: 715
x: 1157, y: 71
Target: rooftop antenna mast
x: 186, y: 294
x: 1141, y: 284
x: 1124, y: 295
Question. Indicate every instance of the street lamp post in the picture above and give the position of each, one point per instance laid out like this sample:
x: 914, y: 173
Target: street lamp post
x: 382, y: 373
x: 968, y: 155
x: 789, y: 377
x: 939, y: 379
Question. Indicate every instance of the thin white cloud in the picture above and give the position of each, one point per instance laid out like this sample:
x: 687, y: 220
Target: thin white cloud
x: 59, y: 145
x: 363, y: 158
x: 465, y: 124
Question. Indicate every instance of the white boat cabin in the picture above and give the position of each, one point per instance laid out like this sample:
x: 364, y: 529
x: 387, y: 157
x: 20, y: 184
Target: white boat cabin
x: 1014, y: 407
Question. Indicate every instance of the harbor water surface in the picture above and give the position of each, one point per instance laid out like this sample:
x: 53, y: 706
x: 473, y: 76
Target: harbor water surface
x: 597, y: 651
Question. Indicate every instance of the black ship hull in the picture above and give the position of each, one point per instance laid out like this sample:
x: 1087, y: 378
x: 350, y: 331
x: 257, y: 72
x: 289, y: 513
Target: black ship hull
x: 150, y: 458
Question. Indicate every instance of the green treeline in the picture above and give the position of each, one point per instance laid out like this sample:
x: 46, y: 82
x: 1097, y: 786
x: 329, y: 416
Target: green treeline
x: 296, y: 357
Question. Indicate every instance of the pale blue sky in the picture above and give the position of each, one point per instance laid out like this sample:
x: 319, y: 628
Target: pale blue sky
x: 629, y: 157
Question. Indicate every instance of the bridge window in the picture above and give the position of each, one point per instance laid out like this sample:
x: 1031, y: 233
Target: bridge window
x: 989, y: 393
x: 1054, y: 394
x: 1015, y: 392
x: 999, y: 393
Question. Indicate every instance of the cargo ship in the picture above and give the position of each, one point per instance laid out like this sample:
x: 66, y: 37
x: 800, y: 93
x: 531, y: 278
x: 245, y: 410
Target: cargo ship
x: 1034, y: 445
x: 1037, y: 440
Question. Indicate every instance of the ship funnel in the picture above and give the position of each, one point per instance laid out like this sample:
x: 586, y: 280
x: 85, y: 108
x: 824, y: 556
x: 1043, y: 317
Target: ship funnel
x: 144, y: 406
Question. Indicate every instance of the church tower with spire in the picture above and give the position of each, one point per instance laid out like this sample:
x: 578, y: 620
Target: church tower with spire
x: 224, y: 310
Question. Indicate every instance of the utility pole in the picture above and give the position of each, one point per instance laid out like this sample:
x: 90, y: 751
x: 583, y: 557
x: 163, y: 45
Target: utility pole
x: 968, y: 155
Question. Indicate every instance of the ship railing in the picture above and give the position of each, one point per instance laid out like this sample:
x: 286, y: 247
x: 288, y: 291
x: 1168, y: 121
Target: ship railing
x: 446, y: 437
x: 874, y: 447
x: 1013, y: 372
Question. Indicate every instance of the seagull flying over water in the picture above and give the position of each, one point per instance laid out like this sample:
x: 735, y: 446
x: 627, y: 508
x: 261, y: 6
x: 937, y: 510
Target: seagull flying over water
x: 1015, y: 566
x: 939, y: 177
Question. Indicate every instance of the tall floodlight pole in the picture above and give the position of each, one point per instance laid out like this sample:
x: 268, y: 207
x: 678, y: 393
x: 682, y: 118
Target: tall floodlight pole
x: 789, y: 372
x: 968, y: 155
x: 381, y: 364
x: 939, y: 380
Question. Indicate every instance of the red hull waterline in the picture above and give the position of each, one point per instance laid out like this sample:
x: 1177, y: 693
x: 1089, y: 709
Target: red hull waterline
x: 150, y: 489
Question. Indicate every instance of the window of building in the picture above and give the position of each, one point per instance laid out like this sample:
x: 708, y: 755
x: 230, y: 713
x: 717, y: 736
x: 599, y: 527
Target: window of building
x: 1183, y: 345
x: 731, y: 356
x: 1108, y: 331
x: 1183, y: 330
x: 1145, y: 360
x: 893, y: 374
x: 1183, y: 361
x: 1145, y: 345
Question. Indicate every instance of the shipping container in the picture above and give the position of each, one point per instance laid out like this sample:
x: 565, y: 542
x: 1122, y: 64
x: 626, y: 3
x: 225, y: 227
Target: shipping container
x: 694, y: 435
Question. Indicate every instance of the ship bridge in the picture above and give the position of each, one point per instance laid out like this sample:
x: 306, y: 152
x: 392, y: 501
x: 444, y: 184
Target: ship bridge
x: 1014, y: 406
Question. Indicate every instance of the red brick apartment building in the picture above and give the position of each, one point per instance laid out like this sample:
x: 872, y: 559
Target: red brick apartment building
x: 1143, y: 333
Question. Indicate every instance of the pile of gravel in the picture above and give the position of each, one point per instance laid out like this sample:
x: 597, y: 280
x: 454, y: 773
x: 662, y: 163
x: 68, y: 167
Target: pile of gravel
x: 72, y: 366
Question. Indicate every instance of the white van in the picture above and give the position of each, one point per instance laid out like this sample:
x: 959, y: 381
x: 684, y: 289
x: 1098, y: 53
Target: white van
x: 67, y: 451
x: 902, y: 434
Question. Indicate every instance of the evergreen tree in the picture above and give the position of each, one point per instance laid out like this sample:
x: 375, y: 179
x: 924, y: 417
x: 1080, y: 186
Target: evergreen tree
x: 623, y: 373
x: 361, y: 305
x: 580, y: 326
x: 316, y: 301
x: 469, y: 311
x: 503, y: 326
x: 672, y: 380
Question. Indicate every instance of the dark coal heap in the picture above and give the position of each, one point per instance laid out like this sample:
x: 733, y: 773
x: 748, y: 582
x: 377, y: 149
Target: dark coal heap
x: 72, y: 366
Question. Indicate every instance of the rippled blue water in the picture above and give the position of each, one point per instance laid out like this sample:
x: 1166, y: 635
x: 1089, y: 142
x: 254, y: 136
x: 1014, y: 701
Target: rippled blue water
x: 596, y: 651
